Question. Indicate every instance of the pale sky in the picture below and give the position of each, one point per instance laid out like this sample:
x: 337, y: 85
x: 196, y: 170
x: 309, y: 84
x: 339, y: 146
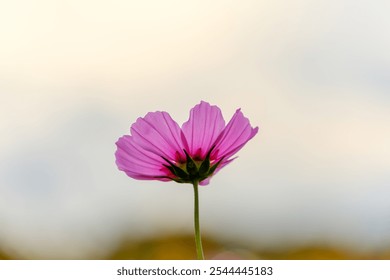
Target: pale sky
x: 313, y: 75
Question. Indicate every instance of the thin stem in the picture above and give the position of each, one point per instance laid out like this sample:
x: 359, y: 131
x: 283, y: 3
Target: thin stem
x: 198, y: 241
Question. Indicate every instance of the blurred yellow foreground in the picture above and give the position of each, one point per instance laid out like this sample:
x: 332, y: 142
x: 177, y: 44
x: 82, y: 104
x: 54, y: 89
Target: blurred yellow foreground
x: 181, y: 247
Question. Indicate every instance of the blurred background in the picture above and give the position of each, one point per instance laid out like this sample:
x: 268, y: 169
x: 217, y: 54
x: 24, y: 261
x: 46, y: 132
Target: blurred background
x: 313, y: 75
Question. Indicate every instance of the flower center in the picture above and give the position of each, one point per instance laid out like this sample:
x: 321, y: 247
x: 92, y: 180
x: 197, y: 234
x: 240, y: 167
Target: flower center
x: 192, y: 170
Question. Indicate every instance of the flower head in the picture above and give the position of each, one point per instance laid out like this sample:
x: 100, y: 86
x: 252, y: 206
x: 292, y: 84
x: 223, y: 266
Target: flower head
x: 158, y: 149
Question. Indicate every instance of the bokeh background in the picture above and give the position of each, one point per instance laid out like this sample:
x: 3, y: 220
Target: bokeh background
x: 313, y: 75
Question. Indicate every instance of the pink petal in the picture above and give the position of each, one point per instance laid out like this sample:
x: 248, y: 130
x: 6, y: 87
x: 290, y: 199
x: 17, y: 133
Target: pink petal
x: 137, y: 162
x: 202, y: 129
x: 235, y: 135
x: 159, y: 134
x: 205, y: 182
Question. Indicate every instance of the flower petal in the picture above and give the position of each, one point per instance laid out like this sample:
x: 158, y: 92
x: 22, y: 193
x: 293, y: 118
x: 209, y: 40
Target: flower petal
x: 235, y: 135
x: 205, y: 182
x: 159, y: 134
x: 137, y: 162
x: 202, y: 129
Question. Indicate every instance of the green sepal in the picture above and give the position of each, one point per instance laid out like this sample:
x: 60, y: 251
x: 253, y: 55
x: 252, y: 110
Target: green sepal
x: 173, y: 179
x: 176, y: 170
x: 205, y: 166
x: 212, y: 169
x: 191, y: 167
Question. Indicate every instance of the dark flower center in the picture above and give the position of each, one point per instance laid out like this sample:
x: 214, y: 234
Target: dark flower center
x: 192, y: 170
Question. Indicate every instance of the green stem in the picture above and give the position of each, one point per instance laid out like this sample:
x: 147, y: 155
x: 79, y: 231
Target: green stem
x: 198, y: 241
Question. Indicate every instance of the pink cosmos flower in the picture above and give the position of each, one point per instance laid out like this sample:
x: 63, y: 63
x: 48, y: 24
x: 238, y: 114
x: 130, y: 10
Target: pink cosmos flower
x: 158, y: 149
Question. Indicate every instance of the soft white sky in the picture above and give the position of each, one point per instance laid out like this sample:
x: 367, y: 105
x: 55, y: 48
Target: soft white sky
x: 313, y: 75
